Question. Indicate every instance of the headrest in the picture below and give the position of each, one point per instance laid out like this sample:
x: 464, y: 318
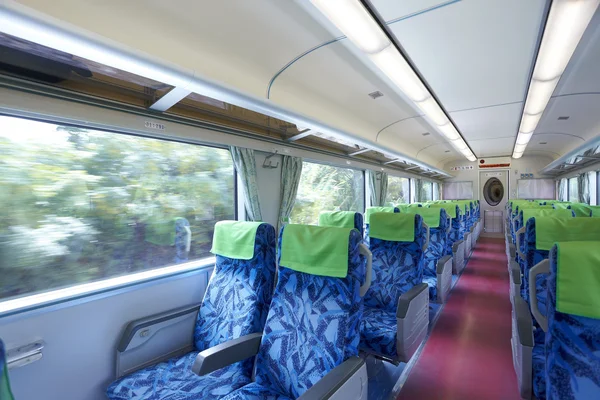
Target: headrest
x: 551, y: 229
x: 562, y: 206
x: 316, y: 250
x: 595, y: 211
x: 161, y: 233
x: 372, y: 210
x: 415, y: 205
x: 403, y: 207
x: 340, y: 219
x: 393, y: 227
x: 545, y: 212
x: 581, y: 210
x: 235, y: 239
x: 431, y: 216
x: 578, y: 278
x: 449, y: 207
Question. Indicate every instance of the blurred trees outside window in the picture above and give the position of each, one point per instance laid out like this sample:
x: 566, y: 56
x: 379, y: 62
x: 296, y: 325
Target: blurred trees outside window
x: 398, y: 189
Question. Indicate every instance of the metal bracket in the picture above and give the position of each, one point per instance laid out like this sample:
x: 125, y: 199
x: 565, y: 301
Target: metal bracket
x: 24, y: 355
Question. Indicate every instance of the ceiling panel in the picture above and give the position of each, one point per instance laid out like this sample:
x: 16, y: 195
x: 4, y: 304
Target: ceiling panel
x: 491, y: 122
x: 392, y: 9
x: 583, y: 112
x: 492, y: 147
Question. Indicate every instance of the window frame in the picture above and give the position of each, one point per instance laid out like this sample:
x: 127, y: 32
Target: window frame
x: 110, y: 285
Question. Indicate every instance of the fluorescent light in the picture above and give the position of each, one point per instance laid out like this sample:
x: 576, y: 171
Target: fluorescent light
x: 449, y: 131
x: 524, y: 138
x: 520, y: 148
x: 539, y: 96
x: 459, y: 144
x: 433, y: 111
x: 351, y: 17
x: 529, y: 123
x: 395, y: 67
x: 471, y: 158
x: 566, y: 23
x: 517, y: 155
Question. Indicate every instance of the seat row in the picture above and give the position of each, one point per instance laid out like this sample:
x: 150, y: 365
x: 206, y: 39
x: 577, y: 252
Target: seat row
x: 555, y: 346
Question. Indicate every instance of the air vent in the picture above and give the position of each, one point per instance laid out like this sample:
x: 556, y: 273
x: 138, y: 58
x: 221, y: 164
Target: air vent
x: 447, y: 151
x: 426, y: 134
x: 563, y: 118
x: 543, y: 142
x: 375, y: 95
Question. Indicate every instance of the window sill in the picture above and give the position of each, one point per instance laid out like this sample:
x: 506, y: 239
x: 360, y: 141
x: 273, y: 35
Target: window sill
x: 36, y: 301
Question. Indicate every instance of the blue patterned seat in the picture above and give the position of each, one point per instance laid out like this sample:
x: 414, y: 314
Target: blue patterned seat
x: 235, y: 304
x: 313, y: 322
x: 573, y: 322
x: 397, y: 272
x: 372, y: 210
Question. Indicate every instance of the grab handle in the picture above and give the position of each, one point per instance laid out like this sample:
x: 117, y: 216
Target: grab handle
x: 522, y: 230
x: 543, y: 267
x: 364, y: 250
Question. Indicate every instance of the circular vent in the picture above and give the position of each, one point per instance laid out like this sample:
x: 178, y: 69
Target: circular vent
x: 493, y: 191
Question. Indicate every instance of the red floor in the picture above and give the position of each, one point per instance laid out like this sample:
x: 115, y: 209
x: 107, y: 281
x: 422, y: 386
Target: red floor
x: 468, y: 355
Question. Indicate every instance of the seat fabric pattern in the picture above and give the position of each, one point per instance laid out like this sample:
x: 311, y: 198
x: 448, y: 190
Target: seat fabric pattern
x: 359, y: 224
x: 174, y: 380
x: 312, y: 326
x: 533, y: 257
x: 572, y: 348
x: 235, y: 304
x: 397, y: 267
x: 454, y: 235
x: 378, y: 331
x: 432, y: 283
x: 538, y: 365
x: 435, y: 251
x: 254, y: 391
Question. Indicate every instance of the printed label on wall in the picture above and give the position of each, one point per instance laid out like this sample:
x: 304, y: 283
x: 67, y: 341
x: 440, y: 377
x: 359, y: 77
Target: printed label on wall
x: 461, y: 168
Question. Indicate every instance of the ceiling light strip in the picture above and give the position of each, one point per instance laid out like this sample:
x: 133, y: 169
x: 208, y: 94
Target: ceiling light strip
x: 567, y: 21
x: 26, y: 23
x: 357, y: 23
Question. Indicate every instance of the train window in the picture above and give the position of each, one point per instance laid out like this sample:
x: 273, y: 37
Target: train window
x: 83, y: 205
x: 424, y: 191
x: 436, y: 191
x: 398, y: 190
x: 573, y: 190
x: 327, y: 188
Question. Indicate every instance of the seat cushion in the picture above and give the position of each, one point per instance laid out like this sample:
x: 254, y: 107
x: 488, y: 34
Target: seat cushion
x: 254, y: 391
x: 432, y: 283
x: 174, y: 380
x: 538, y: 364
x: 378, y: 331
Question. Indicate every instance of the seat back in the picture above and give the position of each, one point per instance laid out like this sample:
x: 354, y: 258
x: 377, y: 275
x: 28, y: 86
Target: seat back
x: 438, y: 223
x: 581, y: 210
x: 373, y: 210
x: 238, y: 295
x: 313, y: 322
x: 397, y: 242
x: 5, y: 392
x: 342, y: 219
x: 573, y: 337
x: 595, y: 211
x: 526, y: 213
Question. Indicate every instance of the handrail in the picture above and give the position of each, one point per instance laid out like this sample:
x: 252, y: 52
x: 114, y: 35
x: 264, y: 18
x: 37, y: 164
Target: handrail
x: 518, y: 239
x: 543, y: 267
x: 364, y: 250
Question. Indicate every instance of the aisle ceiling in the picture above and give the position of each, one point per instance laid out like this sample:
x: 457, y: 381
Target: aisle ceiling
x: 475, y: 55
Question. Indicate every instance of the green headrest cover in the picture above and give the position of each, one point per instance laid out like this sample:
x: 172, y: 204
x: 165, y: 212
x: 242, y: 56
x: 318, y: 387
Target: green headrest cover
x: 395, y: 227
x: 415, y: 205
x: 315, y: 250
x: 340, y: 219
x: 403, y: 207
x: 581, y: 210
x: 595, y: 211
x: 545, y: 212
x: 578, y: 278
x: 551, y: 229
x: 372, y: 210
x: 431, y: 216
x: 449, y: 207
x: 235, y: 239
x: 562, y: 206
x: 161, y: 233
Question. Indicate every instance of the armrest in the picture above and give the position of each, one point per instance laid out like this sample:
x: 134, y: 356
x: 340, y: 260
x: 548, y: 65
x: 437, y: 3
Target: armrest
x: 335, y: 379
x: 512, y: 250
x: 524, y: 322
x: 441, y: 263
x: 227, y: 353
x: 457, y: 244
x: 543, y: 267
x: 518, y: 240
x: 407, y: 297
x: 516, y: 272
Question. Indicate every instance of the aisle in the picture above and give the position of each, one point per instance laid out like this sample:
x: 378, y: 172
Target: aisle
x: 468, y: 355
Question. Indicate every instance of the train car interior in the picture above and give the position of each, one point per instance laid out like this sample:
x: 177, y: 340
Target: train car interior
x: 299, y: 199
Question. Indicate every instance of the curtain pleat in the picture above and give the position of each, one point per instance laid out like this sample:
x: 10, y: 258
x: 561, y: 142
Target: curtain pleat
x: 291, y: 170
x: 245, y: 165
x: 583, y: 186
x: 562, y: 190
x: 378, y: 183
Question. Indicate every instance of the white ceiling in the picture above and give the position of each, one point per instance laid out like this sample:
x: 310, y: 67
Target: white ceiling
x: 475, y: 55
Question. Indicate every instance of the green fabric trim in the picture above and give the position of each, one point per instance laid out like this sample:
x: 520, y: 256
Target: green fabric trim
x: 578, y: 279
x: 393, y: 227
x: 544, y: 212
x: 372, y: 210
x: 561, y: 206
x: 403, y: 207
x: 595, y: 211
x: 340, y: 219
x: 449, y: 207
x: 235, y: 239
x: 5, y: 392
x: 161, y: 233
x: 431, y: 216
x: 415, y: 205
x: 581, y: 210
x: 316, y: 250
x: 551, y: 229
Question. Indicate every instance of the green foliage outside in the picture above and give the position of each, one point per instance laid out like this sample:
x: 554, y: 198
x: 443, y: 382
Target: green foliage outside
x: 327, y: 188
x: 75, y: 204
x: 398, y: 189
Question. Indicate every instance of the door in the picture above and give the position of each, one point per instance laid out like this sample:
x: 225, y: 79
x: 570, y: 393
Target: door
x: 493, y: 197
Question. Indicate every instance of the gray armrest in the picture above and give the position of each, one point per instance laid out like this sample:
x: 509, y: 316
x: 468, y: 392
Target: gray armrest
x: 524, y: 322
x: 335, y: 379
x: 512, y: 250
x: 407, y: 297
x: 516, y: 272
x: 227, y: 353
x: 441, y: 263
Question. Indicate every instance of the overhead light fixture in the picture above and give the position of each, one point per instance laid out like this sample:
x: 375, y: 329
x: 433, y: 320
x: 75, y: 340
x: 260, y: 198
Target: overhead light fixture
x: 524, y: 138
x: 354, y: 20
x: 567, y: 21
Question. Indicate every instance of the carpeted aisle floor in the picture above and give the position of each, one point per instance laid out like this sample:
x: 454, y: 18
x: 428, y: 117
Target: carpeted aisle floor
x: 468, y: 355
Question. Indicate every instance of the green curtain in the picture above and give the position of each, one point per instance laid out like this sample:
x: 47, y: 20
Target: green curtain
x: 378, y: 184
x: 583, y: 186
x: 562, y: 190
x: 291, y: 170
x: 245, y: 165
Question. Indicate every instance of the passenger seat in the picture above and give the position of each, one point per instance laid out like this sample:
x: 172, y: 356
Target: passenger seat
x: 5, y: 391
x: 342, y: 219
